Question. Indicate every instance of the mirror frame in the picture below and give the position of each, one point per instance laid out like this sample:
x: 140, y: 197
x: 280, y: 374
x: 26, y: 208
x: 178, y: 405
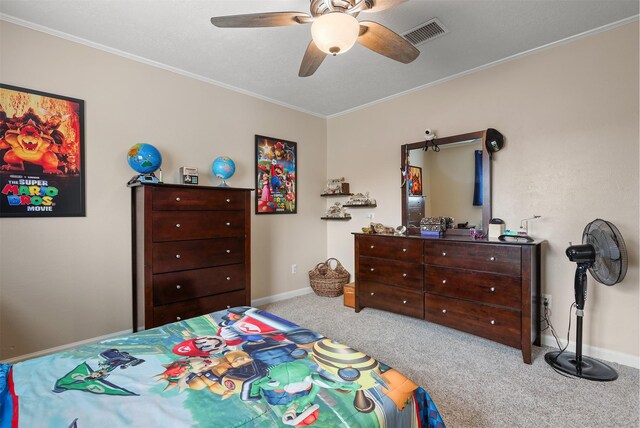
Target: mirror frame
x: 486, y: 177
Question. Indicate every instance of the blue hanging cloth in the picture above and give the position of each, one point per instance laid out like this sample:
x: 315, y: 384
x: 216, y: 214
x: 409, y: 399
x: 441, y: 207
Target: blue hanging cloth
x: 477, y: 187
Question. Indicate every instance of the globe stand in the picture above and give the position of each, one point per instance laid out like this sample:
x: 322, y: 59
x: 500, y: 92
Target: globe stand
x: 223, y: 183
x: 144, y: 178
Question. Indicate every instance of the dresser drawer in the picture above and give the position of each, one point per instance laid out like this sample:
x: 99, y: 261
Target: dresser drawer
x: 192, y: 308
x: 409, y: 250
x: 474, y: 256
x: 190, y: 284
x: 392, y: 272
x: 497, y: 324
x: 184, y: 225
x: 483, y: 287
x: 389, y: 298
x: 197, y: 199
x: 180, y: 255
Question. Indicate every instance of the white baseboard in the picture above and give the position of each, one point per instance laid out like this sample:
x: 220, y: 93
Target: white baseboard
x: 598, y: 353
x: 281, y: 296
x: 64, y: 347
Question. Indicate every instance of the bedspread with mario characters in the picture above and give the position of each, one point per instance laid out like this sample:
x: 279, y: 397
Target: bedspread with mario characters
x: 240, y: 367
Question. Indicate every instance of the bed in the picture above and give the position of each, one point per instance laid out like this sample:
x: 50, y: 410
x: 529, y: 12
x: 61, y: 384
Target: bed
x: 239, y: 367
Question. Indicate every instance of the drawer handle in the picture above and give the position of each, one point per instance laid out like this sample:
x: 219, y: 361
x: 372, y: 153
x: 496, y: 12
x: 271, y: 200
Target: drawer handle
x: 178, y: 199
x: 178, y: 225
x: 228, y: 251
x: 372, y: 293
x: 493, y: 322
x: 444, y: 311
x: 404, y: 250
x: 177, y: 256
x: 444, y: 254
x: 404, y: 275
x: 444, y: 281
x: 372, y: 269
x: 493, y: 289
x: 178, y: 286
x: 493, y: 259
x: 404, y: 302
x: 372, y: 246
x: 228, y: 200
x: 228, y: 224
x: 228, y: 278
x: 178, y: 318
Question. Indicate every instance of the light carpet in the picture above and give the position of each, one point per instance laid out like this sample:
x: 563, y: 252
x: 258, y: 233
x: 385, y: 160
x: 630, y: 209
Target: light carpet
x: 474, y: 382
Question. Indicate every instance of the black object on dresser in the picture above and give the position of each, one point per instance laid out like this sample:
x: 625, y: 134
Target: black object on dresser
x: 191, y: 251
x: 486, y: 288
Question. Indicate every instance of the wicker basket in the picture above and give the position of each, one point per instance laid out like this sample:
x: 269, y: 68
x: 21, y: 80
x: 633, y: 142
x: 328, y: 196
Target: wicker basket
x: 327, y: 281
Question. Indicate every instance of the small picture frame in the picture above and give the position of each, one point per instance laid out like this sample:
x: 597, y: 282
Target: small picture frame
x: 414, y: 181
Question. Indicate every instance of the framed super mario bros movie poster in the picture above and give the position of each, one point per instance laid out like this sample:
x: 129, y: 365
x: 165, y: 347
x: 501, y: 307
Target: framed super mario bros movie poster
x: 276, y: 171
x: 41, y: 154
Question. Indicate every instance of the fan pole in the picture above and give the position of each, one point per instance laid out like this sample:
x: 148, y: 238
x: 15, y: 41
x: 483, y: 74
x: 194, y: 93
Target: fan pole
x: 581, y: 297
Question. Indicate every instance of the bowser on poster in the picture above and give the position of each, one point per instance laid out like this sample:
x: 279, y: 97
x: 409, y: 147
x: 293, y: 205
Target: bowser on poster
x: 41, y: 154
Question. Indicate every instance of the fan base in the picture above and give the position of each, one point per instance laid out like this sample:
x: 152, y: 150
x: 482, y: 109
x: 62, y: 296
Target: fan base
x: 590, y: 369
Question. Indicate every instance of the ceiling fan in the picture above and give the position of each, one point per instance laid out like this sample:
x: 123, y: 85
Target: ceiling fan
x: 334, y: 30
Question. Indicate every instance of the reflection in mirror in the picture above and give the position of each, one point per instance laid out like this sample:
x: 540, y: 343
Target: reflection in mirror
x: 449, y: 182
x: 455, y: 182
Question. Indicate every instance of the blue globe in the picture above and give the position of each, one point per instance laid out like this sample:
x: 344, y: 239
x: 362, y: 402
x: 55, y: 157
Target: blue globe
x: 144, y: 158
x: 223, y: 167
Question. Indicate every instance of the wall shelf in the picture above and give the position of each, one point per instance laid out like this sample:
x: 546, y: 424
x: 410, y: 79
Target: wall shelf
x: 336, y: 194
x: 360, y: 206
x: 336, y: 218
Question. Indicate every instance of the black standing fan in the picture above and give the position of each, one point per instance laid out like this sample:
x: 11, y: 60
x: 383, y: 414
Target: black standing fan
x: 602, y: 252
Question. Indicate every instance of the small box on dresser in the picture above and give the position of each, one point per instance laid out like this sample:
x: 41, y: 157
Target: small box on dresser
x: 191, y: 251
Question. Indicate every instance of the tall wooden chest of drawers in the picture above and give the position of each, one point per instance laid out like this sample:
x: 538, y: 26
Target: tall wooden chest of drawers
x: 486, y: 288
x: 191, y: 251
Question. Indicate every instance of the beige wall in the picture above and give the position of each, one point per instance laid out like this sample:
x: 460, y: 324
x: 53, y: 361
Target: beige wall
x: 67, y: 279
x: 570, y: 117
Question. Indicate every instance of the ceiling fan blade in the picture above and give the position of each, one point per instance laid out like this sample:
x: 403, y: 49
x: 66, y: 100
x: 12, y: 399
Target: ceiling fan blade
x: 382, y: 40
x: 268, y: 19
x: 378, y: 5
x: 313, y: 57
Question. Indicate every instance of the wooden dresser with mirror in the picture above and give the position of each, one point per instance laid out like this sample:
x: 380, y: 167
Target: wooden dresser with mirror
x: 486, y: 287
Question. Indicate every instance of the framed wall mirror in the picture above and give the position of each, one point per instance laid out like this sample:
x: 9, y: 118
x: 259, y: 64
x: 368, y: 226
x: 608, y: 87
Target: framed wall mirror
x: 455, y: 181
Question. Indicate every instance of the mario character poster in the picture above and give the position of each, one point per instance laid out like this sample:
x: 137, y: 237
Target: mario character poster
x: 276, y: 169
x: 41, y: 154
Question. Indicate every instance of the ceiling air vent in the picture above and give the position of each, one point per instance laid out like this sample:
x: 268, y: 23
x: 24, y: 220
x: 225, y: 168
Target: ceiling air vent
x: 425, y: 32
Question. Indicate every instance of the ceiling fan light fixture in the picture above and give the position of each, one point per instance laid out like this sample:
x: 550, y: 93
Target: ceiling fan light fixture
x: 335, y: 33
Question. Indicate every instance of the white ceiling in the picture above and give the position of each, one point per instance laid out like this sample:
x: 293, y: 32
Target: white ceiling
x: 177, y: 34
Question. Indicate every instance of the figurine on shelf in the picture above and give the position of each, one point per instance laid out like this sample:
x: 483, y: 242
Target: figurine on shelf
x: 337, y: 211
x: 360, y: 199
x: 336, y: 186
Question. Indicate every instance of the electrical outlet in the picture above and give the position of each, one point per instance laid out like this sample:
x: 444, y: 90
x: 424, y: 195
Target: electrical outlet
x: 546, y: 298
x: 370, y: 216
x: 294, y: 268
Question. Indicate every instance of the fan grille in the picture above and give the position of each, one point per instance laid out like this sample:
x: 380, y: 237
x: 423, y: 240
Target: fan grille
x: 610, y: 266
